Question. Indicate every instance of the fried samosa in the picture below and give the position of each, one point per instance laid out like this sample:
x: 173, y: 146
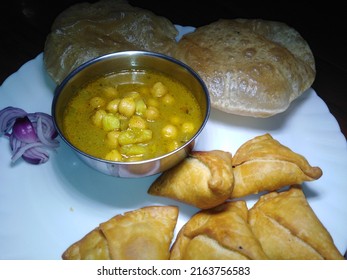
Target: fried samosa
x: 264, y: 164
x: 287, y: 227
x: 218, y: 233
x: 142, y: 234
x: 204, y: 179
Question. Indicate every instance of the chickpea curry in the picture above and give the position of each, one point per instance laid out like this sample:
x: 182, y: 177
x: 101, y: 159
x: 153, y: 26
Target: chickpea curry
x: 132, y: 116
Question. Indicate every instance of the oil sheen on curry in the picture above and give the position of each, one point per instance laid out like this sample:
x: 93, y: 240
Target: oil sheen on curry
x: 132, y: 116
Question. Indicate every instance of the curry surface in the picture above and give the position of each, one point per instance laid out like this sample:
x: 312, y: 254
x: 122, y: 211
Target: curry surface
x: 177, y: 116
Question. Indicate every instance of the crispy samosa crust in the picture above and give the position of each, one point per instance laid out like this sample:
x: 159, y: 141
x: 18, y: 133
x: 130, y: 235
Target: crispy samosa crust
x: 264, y: 164
x: 218, y: 233
x: 142, y: 234
x: 287, y: 227
x: 204, y: 179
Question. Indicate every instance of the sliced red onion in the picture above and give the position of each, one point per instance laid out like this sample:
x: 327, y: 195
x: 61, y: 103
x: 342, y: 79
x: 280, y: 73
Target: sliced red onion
x: 23, y: 148
x: 8, y: 117
x: 15, y: 144
x: 35, y: 155
x: 44, y: 135
x: 30, y: 134
x: 24, y: 130
x: 47, y: 124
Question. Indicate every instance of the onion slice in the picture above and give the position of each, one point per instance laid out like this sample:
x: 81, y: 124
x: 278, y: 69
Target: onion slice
x: 31, y: 135
x: 8, y: 117
x: 24, y: 130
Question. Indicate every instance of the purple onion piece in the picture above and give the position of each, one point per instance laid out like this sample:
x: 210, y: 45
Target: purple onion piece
x: 43, y: 136
x: 35, y: 155
x: 8, y: 117
x: 30, y: 134
x: 47, y: 124
x: 24, y: 130
x: 23, y: 148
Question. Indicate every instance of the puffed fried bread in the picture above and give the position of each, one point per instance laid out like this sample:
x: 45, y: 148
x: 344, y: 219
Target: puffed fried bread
x: 87, y: 30
x: 251, y: 67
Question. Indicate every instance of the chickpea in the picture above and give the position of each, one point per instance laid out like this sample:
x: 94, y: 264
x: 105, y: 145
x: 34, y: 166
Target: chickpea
x: 127, y: 106
x: 96, y: 102
x: 175, y: 120
x: 187, y: 127
x: 97, y: 117
x: 112, y: 106
x: 159, y: 89
x: 123, y: 123
x: 140, y: 107
x: 169, y: 131
x: 152, y: 113
x: 137, y: 122
x: 173, y: 145
x: 109, y: 92
x: 114, y: 155
x: 168, y: 99
x: 112, y: 139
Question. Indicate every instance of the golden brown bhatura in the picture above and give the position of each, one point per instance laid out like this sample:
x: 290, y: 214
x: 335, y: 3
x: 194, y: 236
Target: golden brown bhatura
x: 252, y: 67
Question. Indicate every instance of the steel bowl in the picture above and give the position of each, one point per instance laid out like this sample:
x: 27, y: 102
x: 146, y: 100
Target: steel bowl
x: 130, y: 60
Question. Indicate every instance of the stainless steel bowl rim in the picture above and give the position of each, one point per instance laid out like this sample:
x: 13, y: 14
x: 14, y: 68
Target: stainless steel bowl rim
x: 130, y: 53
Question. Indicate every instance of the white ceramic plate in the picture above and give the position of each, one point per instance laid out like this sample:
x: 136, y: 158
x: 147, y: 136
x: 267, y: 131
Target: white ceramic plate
x: 45, y: 208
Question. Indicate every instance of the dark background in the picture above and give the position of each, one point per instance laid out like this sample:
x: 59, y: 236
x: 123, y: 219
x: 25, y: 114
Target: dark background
x: 25, y: 24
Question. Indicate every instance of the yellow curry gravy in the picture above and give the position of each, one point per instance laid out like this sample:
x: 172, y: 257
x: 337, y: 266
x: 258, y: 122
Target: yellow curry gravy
x: 131, y: 116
